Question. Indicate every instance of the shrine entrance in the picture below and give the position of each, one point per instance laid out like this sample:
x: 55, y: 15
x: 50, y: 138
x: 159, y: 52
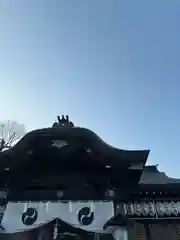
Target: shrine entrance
x: 70, y: 236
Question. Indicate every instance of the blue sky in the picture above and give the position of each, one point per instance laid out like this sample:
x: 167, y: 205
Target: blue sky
x: 112, y: 65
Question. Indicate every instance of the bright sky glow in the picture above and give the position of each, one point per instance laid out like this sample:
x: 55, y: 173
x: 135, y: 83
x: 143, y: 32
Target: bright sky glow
x: 113, y: 66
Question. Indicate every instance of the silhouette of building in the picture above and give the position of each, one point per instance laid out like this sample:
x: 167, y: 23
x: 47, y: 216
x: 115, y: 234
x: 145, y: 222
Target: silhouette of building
x: 65, y: 163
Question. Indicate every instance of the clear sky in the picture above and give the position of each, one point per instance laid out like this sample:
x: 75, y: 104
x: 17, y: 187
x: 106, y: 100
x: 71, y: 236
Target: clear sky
x: 112, y: 65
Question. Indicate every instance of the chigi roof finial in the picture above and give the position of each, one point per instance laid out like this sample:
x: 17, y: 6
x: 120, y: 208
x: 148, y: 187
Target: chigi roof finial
x: 63, y: 121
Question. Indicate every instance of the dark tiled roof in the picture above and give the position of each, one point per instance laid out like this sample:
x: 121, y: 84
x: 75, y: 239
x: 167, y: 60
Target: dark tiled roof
x: 151, y: 175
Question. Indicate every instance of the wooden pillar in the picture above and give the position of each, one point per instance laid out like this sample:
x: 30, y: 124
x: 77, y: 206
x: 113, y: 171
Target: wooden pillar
x: 148, y: 231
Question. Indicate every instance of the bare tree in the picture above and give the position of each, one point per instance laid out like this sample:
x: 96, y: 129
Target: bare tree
x: 10, y: 133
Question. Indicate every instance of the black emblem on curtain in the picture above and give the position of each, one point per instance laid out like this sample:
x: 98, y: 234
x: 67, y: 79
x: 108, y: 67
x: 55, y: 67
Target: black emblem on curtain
x: 30, y: 216
x: 85, y: 216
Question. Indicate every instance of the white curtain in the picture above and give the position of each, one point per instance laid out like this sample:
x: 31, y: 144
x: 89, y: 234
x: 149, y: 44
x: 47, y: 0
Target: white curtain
x: 67, y: 212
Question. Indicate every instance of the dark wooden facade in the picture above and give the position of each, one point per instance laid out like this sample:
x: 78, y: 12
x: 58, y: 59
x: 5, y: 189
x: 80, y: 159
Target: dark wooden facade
x: 155, y: 185
x: 66, y: 162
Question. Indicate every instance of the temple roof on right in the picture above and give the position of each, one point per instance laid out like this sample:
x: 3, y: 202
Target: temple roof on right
x: 151, y: 175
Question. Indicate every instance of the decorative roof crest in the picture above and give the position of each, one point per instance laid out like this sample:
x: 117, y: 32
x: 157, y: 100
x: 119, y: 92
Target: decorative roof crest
x: 63, y: 122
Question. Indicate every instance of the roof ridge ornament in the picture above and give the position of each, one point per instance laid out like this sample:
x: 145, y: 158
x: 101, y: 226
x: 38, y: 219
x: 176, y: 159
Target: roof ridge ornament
x: 63, y: 122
